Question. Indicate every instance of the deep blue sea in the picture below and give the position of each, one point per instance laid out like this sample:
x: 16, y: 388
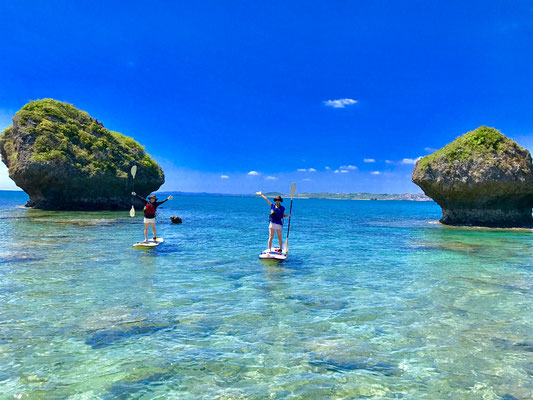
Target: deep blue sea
x: 376, y: 301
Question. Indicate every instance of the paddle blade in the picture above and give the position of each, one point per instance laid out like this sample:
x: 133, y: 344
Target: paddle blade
x: 286, y: 246
x: 133, y: 171
x: 293, y: 190
x: 132, y: 212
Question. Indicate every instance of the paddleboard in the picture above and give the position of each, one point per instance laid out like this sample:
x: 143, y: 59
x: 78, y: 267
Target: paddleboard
x: 148, y: 245
x: 275, y: 254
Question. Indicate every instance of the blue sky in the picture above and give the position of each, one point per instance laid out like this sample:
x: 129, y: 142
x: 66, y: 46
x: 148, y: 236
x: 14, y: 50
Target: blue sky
x: 217, y: 89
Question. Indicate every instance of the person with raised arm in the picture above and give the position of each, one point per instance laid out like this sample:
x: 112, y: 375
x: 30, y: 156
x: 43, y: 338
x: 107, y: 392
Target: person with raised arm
x: 149, y: 213
x: 277, y: 213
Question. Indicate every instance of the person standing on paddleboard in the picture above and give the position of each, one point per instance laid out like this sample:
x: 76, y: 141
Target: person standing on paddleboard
x: 277, y: 213
x: 149, y: 213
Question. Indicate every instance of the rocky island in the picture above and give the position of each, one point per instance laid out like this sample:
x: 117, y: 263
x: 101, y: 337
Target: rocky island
x: 480, y: 179
x: 66, y: 160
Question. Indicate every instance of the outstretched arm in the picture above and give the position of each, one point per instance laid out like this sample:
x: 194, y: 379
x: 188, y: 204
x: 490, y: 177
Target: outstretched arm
x: 158, y: 203
x: 139, y: 197
x: 264, y: 197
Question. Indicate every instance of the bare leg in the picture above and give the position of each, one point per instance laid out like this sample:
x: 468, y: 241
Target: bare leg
x: 280, y: 239
x: 270, y: 237
x: 146, y: 231
x: 153, y: 229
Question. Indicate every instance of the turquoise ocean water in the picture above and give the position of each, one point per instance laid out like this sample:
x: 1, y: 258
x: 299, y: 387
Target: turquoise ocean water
x: 376, y: 301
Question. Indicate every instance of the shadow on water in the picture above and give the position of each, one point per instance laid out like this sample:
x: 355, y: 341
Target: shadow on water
x: 19, y: 258
x: 510, y: 345
x: 158, y: 251
x: 110, y: 337
x: 334, y: 365
x: 277, y: 274
x: 319, y: 302
x: 139, y: 381
x: 272, y: 263
x: 509, y: 397
x: 168, y: 248
x: 292, y: 265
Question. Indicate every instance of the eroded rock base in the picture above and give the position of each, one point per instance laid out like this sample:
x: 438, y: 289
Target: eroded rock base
x: 492, y: 218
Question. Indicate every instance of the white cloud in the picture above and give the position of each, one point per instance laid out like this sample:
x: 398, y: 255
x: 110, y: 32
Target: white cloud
x: 301, y: 170
x: 306, y: 180
x: 369, y: 160
x: 312, y: 170
x: 430, y: 149
x: 375, y: 173
x: 340, y: 103
x: 410, y: 161
x: 253, y: 173
x: 224, y: 176
x: 388, y: 161
x: 271, y: 178
x: 352, y: 167
x: 327, y: 168
x: 344, y: 171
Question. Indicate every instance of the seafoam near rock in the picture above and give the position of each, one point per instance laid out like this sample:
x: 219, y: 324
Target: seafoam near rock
x: 481, y: 179
x: 66, y: 160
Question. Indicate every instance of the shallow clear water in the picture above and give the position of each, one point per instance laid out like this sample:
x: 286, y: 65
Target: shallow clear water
x: 375, y: 302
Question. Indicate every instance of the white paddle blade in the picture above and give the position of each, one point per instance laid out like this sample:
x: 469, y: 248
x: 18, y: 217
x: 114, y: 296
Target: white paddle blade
x: 286, y: 246
x: 132, y: 212
x: 293, y: 190
x: 133, y: 171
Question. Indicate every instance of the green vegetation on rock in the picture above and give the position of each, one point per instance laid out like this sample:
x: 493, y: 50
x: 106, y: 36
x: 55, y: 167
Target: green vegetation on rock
x: 66, y: 160
x: 481, y: 179
x: 482, y: 142
x: 63, y: 133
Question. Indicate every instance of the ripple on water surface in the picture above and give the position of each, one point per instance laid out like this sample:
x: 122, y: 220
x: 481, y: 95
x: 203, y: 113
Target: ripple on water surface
x: 375, y: 302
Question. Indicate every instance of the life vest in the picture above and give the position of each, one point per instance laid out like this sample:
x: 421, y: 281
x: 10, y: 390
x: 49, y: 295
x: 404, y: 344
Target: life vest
x: 276, y: 214
x: 149, y: 208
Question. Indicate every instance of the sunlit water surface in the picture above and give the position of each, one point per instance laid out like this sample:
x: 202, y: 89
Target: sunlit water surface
x: 375, y: 301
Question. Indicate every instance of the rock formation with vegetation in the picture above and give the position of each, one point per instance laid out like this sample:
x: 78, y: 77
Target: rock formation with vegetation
x: 66, y: 160
x: 481, y: 179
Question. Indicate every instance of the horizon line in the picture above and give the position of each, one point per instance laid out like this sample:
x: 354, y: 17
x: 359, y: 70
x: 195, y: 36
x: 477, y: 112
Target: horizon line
x: 247, y: 194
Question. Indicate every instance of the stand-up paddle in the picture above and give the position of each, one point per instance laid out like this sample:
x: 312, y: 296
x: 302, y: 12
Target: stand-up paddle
x: 133, y: 172
x: 286, y: 244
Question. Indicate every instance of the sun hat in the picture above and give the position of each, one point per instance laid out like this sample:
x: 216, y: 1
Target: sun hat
x: 278, y: 198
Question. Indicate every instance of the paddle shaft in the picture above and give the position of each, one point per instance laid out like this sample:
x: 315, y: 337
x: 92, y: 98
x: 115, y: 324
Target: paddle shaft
x: 289, y: 226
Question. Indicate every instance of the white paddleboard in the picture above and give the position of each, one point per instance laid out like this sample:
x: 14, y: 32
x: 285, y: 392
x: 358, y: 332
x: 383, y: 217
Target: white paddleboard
x: 274, y: 254
x: 148, y: 245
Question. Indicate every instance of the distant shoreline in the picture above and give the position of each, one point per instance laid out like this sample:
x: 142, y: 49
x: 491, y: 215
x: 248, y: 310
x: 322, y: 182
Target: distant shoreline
x: 324, y: 195
x: 362, y: 196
